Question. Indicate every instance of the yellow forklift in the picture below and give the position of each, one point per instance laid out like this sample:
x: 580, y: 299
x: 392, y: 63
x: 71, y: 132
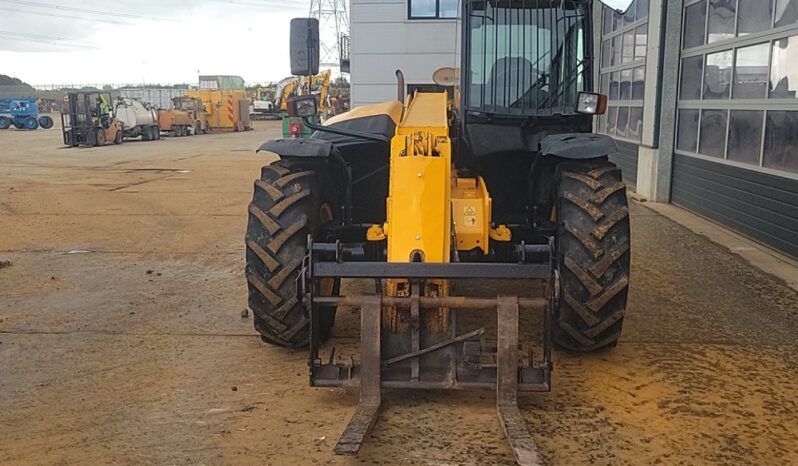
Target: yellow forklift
x: 89, y: 120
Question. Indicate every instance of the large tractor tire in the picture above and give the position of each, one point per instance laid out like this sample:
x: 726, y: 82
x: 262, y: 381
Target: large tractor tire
x: 593, y: 253
x: 286, y: 207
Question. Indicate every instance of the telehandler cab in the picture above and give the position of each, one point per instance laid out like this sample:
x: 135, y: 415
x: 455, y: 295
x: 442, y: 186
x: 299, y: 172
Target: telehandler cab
x: 505, y: 181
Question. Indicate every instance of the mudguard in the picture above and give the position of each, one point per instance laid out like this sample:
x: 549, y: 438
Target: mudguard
x: 317, y: 148
x: 577, y: 146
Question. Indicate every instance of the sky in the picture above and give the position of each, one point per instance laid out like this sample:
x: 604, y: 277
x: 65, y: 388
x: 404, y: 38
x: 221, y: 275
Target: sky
x: 145, y: 41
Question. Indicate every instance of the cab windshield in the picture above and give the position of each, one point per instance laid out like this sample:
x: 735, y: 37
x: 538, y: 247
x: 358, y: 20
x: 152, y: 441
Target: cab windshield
x: 527, y: 57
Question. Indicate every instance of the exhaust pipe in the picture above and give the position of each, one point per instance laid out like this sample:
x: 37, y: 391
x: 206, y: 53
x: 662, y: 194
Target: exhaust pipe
x: 400, y: 86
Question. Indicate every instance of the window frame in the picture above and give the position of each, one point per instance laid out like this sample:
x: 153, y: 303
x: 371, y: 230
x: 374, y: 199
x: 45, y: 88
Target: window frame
x: 437, y: 16
x: 616, y: 33
x: 766, y: 104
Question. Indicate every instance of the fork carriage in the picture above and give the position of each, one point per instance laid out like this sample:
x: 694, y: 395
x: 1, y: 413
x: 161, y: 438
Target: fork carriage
x: 424, y: 354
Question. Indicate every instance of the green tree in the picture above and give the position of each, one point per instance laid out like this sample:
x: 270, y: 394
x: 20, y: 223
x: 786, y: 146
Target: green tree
x: 340, y: 83
x: 6, y: 80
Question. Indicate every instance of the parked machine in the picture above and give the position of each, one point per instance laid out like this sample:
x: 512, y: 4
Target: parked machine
x: 227, y: 110
x: 22, y: 114
x: 137, y: 119
x: 186, y: 117
x: 507, y: 184
x: 264, y: 110
x: 299, y: 87
x: 89, y: 120
x: 226, y: 102
x: 263, y: 105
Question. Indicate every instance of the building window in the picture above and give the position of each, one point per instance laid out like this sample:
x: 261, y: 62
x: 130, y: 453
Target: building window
x: 721, y: 23
x: 624, y: 48
x: 687, y: 139
x: 745, y: 135
x: 738, y: 96
x: 786, y: 13
x: 432, y: 9
x: 712, y: 139
x: 784, y: 69
x: 751, y: 72
x: 754, y: 16
x: 695, y: 24
x: 692, y: 71
x: 717, y: 75
x: 781, y: 139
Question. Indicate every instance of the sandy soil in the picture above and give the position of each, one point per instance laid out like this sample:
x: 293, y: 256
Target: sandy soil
x: 121, y: 339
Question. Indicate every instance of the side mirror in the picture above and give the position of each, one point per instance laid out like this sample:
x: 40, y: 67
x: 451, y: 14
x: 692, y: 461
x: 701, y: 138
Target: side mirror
x: 304, y: 46
x: 303, y: 106
x: 618, y: 5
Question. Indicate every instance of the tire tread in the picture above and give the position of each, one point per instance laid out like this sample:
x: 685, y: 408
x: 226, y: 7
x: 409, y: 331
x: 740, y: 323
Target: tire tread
x: 281, y: 216
x: 593, y: 249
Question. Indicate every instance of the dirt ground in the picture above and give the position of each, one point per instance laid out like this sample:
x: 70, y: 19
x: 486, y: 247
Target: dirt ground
x: 121, y: 339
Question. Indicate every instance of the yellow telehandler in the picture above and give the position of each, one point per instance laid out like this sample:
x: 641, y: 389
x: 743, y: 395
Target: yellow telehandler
x: 431, y: 193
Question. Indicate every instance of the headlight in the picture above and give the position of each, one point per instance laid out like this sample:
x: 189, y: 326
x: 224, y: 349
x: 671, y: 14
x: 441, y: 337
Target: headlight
x: 592, y: 104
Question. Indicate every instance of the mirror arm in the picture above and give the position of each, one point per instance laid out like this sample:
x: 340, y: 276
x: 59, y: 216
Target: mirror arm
x: 342, y: 132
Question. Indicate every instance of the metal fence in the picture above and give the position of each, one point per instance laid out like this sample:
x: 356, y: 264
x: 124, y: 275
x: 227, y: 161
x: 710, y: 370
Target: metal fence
x: 109, y: 86
x: 158, y: 98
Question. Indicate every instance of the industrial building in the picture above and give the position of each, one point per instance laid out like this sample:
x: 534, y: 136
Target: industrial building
x: 416, y: 36
x: 703, y: 97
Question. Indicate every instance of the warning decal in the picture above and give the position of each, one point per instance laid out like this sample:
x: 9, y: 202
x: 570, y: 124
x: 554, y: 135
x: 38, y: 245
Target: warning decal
x: 469, y: 216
